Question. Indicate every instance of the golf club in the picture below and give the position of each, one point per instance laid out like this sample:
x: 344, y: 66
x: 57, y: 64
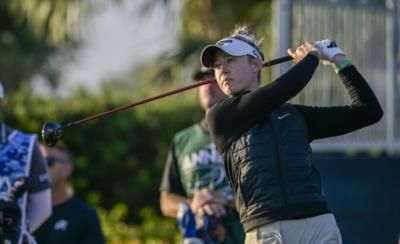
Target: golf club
x: 52, y: 131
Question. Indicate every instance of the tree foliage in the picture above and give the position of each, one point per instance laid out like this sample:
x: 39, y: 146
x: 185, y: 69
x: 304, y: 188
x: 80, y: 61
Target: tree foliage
x: 118, y: 158
x: 32, y: 30
x: 52, y: 20
x: 22, y: 53
x: 205, y: 22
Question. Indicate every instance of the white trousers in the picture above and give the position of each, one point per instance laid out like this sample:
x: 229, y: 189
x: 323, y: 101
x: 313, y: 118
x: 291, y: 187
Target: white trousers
x: 321, y: 229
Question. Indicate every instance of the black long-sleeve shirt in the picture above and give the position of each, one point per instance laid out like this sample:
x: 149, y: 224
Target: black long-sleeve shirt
x: 230, y: 118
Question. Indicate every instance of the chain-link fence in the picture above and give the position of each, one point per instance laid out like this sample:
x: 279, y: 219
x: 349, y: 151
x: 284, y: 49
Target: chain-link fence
x: 364, y: 32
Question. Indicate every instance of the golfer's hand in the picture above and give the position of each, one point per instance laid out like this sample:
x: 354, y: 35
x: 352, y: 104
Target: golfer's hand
x: 299, y: 53
x: 330, y: 53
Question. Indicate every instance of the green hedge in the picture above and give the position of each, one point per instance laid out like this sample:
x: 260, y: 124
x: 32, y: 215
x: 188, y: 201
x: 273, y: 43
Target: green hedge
x: 119, y: 158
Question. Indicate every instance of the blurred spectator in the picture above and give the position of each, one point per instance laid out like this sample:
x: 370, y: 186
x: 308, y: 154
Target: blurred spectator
x: 194, y: 188
x: 72, y: 221
x: 25, y: 200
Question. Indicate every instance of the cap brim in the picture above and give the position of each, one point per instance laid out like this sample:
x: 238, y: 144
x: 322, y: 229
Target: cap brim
x: 229, y: 46
x: 208, y: 54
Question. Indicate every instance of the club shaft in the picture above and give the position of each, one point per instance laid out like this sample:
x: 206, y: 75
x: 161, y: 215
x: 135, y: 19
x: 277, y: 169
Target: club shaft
x: 197, y: 84
x: 277, y: 61
x: 200, y: 83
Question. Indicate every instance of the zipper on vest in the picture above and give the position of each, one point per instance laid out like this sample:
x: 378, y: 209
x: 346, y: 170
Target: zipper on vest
x: 278, y: 162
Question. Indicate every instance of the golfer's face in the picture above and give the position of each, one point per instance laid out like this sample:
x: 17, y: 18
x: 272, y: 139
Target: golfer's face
x: 233, y: 74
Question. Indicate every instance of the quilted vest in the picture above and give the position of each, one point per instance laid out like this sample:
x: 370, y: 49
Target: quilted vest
x: 273, y: 177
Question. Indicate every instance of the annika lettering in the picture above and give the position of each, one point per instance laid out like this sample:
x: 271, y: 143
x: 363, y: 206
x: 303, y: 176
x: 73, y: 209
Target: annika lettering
x: 206, y: 156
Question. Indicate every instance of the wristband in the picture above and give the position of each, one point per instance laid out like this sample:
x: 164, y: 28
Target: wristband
x: 345, y: 63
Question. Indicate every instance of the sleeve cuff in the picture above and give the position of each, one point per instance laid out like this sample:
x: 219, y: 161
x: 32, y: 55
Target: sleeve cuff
x: 339, y: 66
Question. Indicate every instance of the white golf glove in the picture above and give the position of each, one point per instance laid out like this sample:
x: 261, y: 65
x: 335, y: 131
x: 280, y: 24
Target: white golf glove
x: 328, y: 50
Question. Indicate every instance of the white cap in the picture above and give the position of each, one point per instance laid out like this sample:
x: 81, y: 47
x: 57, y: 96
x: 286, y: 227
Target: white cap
x: 238, y: 45
x: 1, y: 91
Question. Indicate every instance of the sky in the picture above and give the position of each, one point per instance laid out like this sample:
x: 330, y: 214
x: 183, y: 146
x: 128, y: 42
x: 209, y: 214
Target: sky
x: 115, y: 39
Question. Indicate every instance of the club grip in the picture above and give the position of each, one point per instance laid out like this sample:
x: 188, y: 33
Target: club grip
x: 277, y: 61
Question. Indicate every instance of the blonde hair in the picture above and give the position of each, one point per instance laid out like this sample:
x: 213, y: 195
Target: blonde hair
x: 243, y: 30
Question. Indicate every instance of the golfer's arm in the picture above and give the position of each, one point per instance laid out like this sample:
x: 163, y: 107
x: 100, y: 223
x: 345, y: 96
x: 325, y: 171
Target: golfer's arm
x: 267, y: 98
x: 236, y: 115
x: 364, y: 109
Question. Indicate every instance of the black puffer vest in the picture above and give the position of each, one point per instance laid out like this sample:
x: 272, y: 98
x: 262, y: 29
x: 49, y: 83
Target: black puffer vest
x: 271, y: 171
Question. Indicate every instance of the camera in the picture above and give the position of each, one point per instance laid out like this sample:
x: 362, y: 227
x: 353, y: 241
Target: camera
x: 10, y: 211
x: 10, y: 217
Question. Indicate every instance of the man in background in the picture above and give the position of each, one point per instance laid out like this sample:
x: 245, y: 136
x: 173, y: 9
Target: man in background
x: 25, y: 201
x: 72, y: 221
x: 194, y: 178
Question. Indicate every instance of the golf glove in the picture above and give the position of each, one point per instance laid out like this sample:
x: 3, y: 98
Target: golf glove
x: 328, y: 50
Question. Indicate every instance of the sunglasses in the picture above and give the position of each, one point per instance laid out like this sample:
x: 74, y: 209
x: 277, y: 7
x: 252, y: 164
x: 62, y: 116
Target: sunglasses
x: 52, y: 160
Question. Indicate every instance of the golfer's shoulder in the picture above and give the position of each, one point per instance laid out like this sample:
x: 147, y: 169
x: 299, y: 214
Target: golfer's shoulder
x: 219, y: 113
x: 221, y: 107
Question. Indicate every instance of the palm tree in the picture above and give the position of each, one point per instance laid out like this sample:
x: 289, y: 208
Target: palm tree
x: 204, y: 22
x: 52, y: 20
x: 31, y: 30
